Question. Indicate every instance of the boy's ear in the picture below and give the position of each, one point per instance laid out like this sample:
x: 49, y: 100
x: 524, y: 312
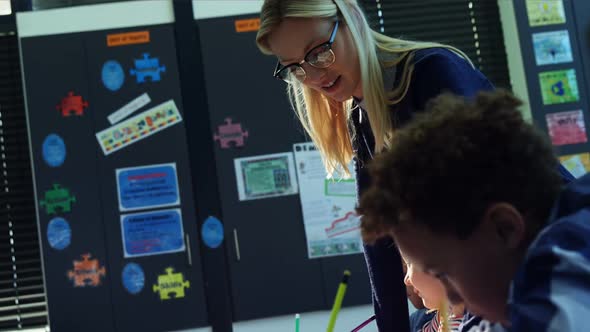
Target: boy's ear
x: 507, y: 224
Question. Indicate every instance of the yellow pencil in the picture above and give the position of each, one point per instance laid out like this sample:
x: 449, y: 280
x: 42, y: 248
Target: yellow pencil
x: 444, y: 316
x: 338, y: 301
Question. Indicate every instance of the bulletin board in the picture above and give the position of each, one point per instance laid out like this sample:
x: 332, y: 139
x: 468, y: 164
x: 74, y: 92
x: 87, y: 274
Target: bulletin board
x: 115, y: 205
x: 555, y: 44
x: 255, y: 131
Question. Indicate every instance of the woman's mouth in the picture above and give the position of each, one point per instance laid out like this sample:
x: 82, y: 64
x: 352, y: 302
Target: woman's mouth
x: 331, y: 86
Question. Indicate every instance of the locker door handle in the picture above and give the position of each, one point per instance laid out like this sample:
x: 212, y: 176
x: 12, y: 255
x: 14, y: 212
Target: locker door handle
x: 237, y: 244
x: 189, y: 256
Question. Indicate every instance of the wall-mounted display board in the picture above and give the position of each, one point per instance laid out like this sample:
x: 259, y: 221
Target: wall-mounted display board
x: 272, y: 270
x: 555, y: 42
x: 114, y: 193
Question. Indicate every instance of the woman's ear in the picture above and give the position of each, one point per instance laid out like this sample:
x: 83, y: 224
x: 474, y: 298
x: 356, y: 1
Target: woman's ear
x: 505, y: 224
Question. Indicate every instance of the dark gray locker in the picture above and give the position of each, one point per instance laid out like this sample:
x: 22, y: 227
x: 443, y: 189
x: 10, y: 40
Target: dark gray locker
x: 54, y: 66
x: 145, y: 311
x: 74, y: 62
x: 273, y: 275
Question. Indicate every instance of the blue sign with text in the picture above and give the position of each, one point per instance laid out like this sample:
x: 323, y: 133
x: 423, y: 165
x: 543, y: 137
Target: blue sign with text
x: 147, y: 187
x: 152, y: 233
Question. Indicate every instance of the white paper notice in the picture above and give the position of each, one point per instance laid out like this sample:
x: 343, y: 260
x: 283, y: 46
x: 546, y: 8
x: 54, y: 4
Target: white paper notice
x: 331, y: 224
x: 128, y: 109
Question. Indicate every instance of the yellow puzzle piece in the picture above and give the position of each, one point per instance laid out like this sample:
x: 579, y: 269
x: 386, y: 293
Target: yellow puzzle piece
x: 171, y: 283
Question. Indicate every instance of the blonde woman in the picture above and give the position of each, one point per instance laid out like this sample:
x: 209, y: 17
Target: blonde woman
x: 351, y: 87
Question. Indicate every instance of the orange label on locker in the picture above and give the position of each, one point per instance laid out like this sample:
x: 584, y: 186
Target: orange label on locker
x: 252, y: 24
x: 128, y: 38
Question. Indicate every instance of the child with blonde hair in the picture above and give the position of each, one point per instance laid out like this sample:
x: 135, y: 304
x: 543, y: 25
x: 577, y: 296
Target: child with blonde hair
x: 446, y: 318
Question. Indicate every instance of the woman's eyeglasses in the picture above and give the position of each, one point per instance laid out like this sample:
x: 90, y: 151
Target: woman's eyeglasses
x: 320, y: 56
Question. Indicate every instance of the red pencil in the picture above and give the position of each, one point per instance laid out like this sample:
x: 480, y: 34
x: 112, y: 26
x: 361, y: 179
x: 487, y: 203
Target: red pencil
x: 363, y: 324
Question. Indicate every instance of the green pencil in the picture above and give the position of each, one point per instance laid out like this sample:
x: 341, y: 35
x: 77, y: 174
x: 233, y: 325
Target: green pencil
x: 297, y: 317
x: 338, y: 301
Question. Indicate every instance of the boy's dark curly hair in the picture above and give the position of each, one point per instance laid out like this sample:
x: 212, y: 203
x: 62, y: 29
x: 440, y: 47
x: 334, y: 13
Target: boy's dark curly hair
x: 454, y: 160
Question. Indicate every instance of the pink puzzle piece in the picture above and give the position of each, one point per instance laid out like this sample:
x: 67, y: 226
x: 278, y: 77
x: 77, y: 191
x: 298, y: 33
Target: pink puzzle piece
x: 230, y: 134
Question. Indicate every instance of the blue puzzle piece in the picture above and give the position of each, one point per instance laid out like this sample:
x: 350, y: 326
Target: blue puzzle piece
x: 147, y: 67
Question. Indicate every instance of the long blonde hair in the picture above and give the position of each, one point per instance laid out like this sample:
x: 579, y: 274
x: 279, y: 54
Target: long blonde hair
x: 325, y: 120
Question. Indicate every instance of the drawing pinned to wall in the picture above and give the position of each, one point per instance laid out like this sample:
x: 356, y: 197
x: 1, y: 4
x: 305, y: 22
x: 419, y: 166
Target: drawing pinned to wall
x: 328, y: 206
x: 57, y: 200
x: 72, y: 105
x: 147, y: 67
x: 112, y: 75
x: 133, y: 278
x: 87, y: 272
x: 230, y: 134
x: 171, y: 285
x: 545, y: 12
x: 54, y: 150
x: 552, y: 47
x: 152, y: 233
x: 566, y: 127
x: 348, y: 223
x: 129, y: 108
x: 212, y: 232
x: 150, y: 186
x: 559, y: 86
x: 265, y: 176
x: 577, y: 164
x: 138, y: 127
x: 59, y: 233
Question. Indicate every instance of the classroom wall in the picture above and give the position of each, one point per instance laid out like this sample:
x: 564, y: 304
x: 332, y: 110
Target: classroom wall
x: 260, y: 265
x: 50, y: 22
x: 79, y: 28
x: 203, y: 9
x: 102, y: 16
x: 110, y: 16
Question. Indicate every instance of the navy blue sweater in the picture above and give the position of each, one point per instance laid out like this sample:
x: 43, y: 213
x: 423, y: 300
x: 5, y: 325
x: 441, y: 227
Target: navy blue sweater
x: 436, y: 70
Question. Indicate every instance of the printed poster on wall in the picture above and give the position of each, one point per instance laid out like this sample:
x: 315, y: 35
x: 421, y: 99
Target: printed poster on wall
x: 138, y: 127
x: 152, y: 233
x: 265, y: 176
x: 552, y: 47
x: 559, y: 86
x: 545, y: 12
x: 566, y: 127
x: 152, y: 186
x: 328, y: 206
x: 576, y: 164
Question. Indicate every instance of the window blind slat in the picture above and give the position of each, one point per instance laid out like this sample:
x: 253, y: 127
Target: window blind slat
x: 22, y: 296
x: 472, y: 26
